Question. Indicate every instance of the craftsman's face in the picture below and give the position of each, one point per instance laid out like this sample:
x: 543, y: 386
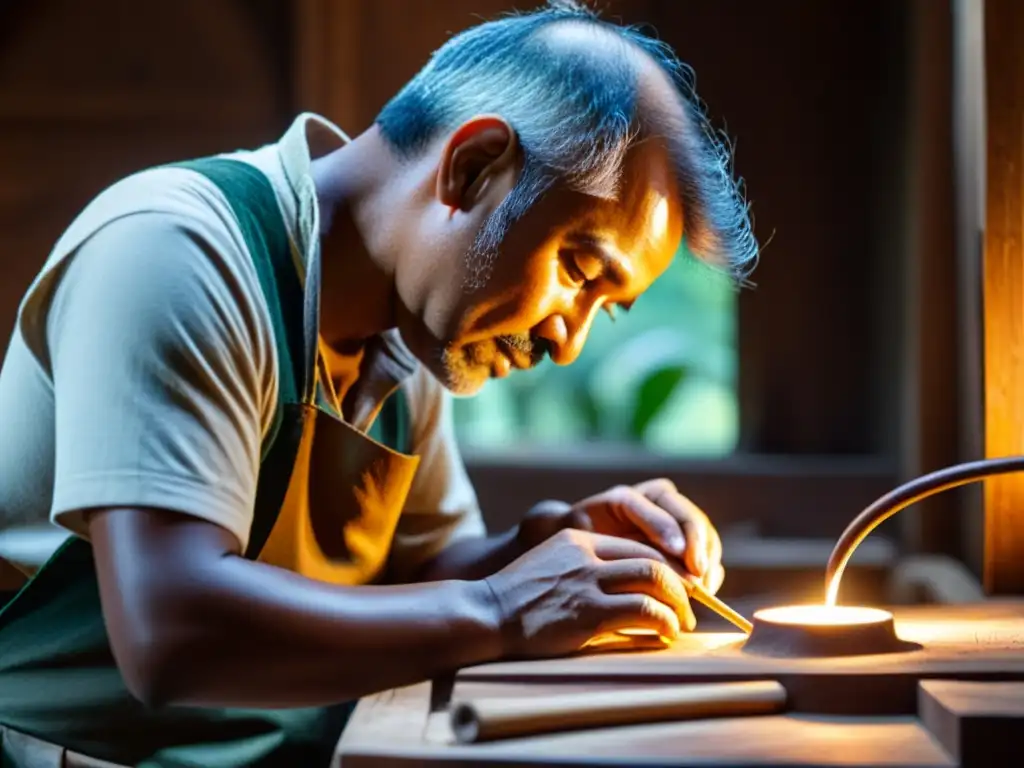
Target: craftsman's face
x: 569, y: 257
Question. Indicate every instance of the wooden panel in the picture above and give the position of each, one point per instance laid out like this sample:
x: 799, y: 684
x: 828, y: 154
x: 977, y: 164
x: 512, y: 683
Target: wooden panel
x: 327, y: 43
x: 813, y: 497
x: 969, y: 160
x: 123, y: 61
x: 354, y: 55
x: 91, y: 94
x: 930, y: 425
x: 979, y: 724
x: 1004, y: 292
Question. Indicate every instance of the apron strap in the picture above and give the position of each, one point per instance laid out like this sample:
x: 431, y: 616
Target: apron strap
x: 309, y: 221
x: 255, y: 207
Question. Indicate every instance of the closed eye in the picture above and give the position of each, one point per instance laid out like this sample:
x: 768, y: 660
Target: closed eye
x: 573, y: 270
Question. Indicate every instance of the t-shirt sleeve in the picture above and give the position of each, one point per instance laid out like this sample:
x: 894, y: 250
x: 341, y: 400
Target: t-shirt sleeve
x: 442, y: 506
x: 160, y: 377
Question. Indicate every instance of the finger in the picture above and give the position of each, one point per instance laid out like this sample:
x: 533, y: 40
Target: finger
x: 616, y: 548
x: 651, y: 578
x: 715, y: 578
x: 690, y: 518
x: 655, y: 522
x: 714, y: 550
x: 615, y: 642
x: 639, y: 612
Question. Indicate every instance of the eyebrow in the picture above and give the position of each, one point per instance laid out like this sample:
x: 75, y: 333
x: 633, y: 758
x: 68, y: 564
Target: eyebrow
x: 615, y: 268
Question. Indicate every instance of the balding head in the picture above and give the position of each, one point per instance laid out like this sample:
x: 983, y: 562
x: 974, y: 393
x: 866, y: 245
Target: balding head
x: 579, y: 92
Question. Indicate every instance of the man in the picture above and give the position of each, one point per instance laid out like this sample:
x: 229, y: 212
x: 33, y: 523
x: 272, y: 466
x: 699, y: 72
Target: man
x: 230, y: 383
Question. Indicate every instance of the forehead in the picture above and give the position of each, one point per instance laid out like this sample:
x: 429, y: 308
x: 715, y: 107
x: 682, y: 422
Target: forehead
x: 644, y: 223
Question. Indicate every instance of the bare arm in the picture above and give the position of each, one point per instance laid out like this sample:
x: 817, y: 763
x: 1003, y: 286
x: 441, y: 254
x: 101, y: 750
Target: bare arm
x: 480, y: 557
x: 193, y: 623
x: 474, y: 558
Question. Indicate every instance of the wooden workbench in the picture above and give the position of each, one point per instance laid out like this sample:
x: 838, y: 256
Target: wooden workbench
x: 975, y: 719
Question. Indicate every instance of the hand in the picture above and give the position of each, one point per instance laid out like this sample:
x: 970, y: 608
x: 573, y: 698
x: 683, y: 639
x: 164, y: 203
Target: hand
x: 579, y: 588
x: 653, y: 512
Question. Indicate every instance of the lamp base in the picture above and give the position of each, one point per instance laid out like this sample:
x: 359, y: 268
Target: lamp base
x: 800, y: 631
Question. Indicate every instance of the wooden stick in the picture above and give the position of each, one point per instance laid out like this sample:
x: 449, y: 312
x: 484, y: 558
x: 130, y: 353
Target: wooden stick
x: 705, y: 598
x: 487, y: 719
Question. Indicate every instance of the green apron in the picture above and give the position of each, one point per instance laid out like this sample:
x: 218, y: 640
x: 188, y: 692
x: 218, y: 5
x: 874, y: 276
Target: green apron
x: 61, y: 693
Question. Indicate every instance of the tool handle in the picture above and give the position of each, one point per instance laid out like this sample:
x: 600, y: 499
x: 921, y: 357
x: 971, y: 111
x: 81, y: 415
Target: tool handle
x: 487, y: 719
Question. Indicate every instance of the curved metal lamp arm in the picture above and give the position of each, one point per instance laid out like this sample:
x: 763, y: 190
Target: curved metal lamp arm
x: 901, y: 498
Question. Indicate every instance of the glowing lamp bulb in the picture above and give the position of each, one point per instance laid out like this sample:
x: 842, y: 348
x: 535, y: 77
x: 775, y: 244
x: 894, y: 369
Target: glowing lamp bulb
x: 823, y: 615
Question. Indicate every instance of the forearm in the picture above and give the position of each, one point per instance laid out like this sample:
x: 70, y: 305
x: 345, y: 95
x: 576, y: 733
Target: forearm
x: 261, y: 636
x: 189, y: 628
x: 474, y: 558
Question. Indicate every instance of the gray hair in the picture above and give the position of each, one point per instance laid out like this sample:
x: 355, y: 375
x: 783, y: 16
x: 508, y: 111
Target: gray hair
x: 577, y: 110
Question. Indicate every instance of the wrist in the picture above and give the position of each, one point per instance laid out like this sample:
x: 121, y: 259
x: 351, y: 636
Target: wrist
x: 485, y: 620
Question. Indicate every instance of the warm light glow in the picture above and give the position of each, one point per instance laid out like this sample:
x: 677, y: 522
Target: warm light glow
x: 622, y: 637
x: 639, y: 632
x: 659, y: 218
x: 822, y: 615
x: 832, y: 594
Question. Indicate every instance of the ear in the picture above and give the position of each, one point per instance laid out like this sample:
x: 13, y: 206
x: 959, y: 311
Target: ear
x: 476, y: 155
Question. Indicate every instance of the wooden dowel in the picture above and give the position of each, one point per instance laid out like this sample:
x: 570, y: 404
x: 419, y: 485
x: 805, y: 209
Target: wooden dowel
x: 705, y: 598
x: 488, y: 719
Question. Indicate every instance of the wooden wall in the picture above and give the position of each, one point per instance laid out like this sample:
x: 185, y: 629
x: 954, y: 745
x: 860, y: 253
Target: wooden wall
x: 90, y: 92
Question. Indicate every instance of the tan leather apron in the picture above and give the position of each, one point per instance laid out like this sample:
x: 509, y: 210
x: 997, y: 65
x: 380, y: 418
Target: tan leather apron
x: 327, y: 505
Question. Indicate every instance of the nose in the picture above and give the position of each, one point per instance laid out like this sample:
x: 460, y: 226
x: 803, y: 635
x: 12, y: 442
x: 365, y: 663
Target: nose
x: 567, y: 332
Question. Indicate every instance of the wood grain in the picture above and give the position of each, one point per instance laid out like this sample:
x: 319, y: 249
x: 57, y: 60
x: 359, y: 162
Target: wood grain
x: 983, y: 642
x: 979, y: 724
x: 1003, y: 285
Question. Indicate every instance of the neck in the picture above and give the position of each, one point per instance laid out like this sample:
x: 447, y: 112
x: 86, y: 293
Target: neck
x: 358, y: 254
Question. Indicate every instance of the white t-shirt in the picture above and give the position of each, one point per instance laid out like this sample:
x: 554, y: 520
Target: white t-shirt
x: 143, y: 371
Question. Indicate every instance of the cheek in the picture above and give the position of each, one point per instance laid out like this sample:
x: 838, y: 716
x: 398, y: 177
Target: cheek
x: 430, y: 284
x: 519, y: 294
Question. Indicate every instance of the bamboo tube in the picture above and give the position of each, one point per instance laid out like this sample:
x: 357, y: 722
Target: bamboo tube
x: 487, y: 719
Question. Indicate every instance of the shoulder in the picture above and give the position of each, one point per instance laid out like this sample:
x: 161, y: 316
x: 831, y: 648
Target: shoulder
x: 160, y: 276
x: 167, y: 231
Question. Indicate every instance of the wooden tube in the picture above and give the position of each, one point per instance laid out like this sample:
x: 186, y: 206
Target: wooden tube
x: 487, y: 719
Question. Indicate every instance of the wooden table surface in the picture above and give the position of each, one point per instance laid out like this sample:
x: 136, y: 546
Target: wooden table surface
x: 404, y: 727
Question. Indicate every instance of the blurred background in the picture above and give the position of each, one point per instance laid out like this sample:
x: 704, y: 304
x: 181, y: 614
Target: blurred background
x: 783, y: 409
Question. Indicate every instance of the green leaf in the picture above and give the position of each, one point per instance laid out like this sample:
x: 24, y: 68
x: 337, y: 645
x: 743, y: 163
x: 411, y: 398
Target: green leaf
x: 652, y: 396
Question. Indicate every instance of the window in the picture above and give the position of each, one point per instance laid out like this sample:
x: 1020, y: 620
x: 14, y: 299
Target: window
x: 670, y: 362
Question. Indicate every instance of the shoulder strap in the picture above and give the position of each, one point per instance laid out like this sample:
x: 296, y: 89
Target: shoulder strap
x: 254, y: 205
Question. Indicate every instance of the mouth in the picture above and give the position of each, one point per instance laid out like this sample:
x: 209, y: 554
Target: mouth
x: 520, y: 359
